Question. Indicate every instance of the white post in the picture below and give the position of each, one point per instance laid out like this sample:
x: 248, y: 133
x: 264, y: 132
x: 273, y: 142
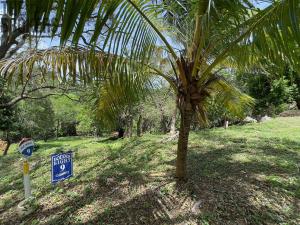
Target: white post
x: 226, y: 124
x: 27, y: 187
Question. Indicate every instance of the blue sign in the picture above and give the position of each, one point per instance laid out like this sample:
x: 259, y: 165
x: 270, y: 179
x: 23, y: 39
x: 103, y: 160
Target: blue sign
x: 61, y: 166
x: 26, y: 148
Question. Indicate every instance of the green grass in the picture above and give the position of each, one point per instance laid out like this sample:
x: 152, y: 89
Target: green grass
x: 244, y: 175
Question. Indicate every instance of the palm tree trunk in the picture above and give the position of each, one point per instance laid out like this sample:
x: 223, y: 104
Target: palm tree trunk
x: 185, y: 123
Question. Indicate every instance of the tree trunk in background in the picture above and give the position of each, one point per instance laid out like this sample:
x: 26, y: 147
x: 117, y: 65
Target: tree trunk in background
x: 120, y: 132
x: 139, y: 126
x: 298, y: 103
x: 57, y: 129
x: 9, y: 35
x: 173, y: 122
x: 129, y: 124
x: 164, y: 124
x: 185, y: 123
x: 226, y: 122
x: 8, y: 143
x: 97, y: 131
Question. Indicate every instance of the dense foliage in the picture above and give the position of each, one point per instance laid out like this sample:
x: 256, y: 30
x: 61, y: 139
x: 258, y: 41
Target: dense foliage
x: 273, y: 93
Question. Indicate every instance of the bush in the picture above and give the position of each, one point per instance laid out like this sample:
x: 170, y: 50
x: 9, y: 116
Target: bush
x: 272, y: 95
x: 36, y: 119
x: 282, y: 92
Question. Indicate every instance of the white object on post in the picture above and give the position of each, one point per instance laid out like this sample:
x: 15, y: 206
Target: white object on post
x: 26, y: 146
x: 27, y: 186
x: 26, y: 206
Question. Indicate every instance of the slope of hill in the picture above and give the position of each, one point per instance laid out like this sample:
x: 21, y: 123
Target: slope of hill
x: 244, y: 175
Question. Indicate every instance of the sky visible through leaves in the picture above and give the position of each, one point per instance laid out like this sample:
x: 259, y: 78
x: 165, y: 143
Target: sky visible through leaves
x: 48, y: 42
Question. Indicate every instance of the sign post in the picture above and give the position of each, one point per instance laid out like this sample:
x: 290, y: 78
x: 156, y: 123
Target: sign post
x: 25, y: 148
x: 61, y: 166
x: 27, y: 186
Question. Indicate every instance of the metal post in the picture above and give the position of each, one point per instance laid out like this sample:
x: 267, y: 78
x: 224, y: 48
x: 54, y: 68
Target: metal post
x: 27, y: 187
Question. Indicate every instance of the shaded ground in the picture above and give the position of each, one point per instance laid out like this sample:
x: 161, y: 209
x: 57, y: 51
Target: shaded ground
x: 243, y: 175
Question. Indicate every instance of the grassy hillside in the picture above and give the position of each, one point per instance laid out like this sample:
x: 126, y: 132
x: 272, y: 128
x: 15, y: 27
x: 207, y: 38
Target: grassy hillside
x: 243, y: 175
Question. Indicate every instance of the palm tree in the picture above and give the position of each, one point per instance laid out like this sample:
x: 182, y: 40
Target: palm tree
x: 197, y: 37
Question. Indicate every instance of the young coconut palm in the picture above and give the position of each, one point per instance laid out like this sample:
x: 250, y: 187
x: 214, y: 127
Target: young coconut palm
x: 198, y: 37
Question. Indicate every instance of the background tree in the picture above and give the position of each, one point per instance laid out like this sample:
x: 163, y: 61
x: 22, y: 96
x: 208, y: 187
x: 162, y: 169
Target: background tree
x: 37, y: 119
x: 8, y: 118
x: 66, y: 111
x: 274, y: 90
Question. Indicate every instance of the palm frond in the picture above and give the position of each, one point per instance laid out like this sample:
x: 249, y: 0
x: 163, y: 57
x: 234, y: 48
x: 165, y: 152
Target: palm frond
x: 75, y: 64
x: 228, y: 96
x: 118, y: 93
x: 267, y: 33
x: 79, y: 65
x: 231, y: 98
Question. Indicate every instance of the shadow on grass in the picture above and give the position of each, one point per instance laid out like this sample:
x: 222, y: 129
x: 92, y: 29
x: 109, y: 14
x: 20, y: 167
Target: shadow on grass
x: 239, y: 190
x: 120, y: 165
x: 232, y: 190
x: 48, y: 145
x: 228, y: 189
x: 109, y: 140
